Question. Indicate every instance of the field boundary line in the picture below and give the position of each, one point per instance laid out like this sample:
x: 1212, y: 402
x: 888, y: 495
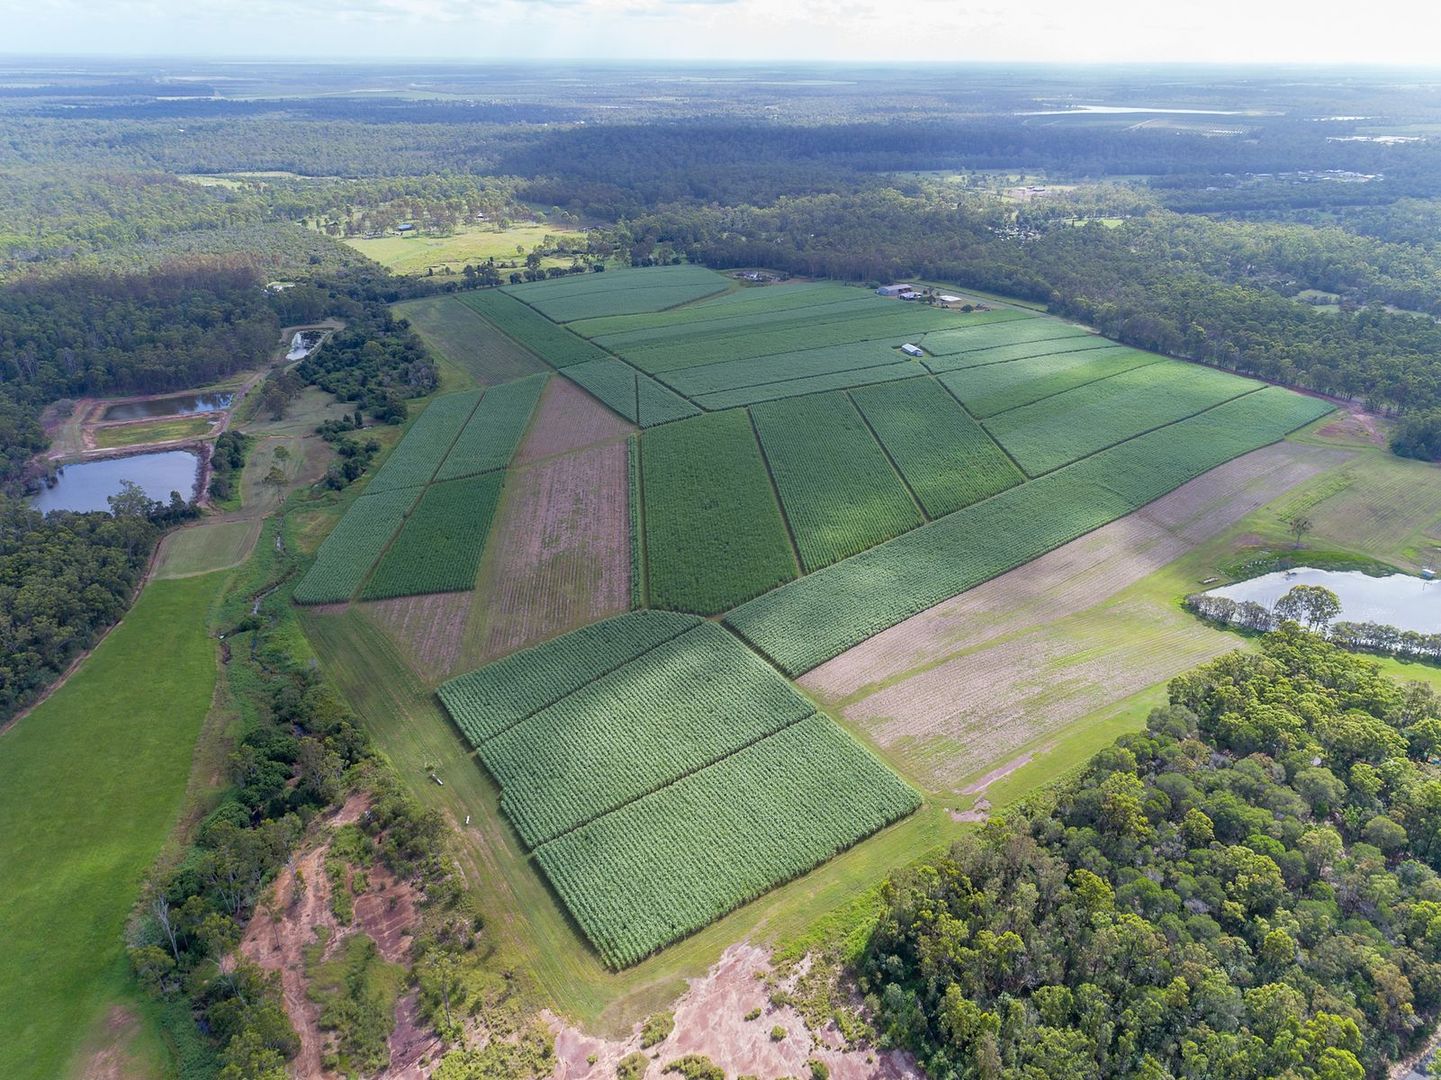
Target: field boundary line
x: 748, y: 744
x: 1137, y: 435
x: 925, y: 517
x: 641, y: 588
x: 776, y: 494
x: 1057, y: 393
x: 608, y: 671
x: 1025, y: 476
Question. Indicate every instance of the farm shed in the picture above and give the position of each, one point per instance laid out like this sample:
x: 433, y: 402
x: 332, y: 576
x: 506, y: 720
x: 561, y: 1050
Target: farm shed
x: 947, y: 298
x: 912, y: 350
x: 894, y: 290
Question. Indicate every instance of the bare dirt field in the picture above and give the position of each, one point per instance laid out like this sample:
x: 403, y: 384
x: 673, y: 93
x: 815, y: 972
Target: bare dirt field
x: 568, y: 419
x: 429, y: 629
x: 277, y: 937
x: 1077, y: 575
x: 559, y: 555
x: 977, y: 679
x: 710, y: 1020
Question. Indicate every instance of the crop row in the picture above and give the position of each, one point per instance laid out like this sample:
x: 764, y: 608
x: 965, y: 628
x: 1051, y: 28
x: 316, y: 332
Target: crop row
x: 440, y: 546
x: 758, y: 370
x: 353, y: 546
x: 552, y: 342
x: 975, y: 337
x: 628, y: 292
x: 633, y: 504
x: 1067, y: 427
x: 813, y: 384
x: 996, y: 388
x: 886, y: 320
x: 719, y: 315
x: 485, y: 702
x: 839, y: 492
x: 680, y: 707
x: 416, y: 457
x: 714, y: 534
x: 1024, y: 350
x: 946, y: 457
x: 809, y: 621
x: 674, y: 861
x: 494, y: 430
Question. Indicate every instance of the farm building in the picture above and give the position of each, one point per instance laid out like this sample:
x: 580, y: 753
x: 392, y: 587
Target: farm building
x: 894, y: 290
x: 912, y: 350
x: 909, y: 294
x: 947, y: 298
x: 405, y: 227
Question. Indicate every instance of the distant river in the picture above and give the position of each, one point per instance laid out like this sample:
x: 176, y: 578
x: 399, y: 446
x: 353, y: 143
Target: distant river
x: 88, y: 485
x: 1400, y: 600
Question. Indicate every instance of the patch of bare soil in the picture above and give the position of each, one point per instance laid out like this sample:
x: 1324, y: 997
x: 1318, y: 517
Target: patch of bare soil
x: 110, y: 1060
x: 429, y: 628
x: 710, y: 1019
x: 1355, y: 425
x: 568, y: 419
x: 976, y: 814
x: 560, y: 554
x: 1077, y: 575
x: 283, y: 928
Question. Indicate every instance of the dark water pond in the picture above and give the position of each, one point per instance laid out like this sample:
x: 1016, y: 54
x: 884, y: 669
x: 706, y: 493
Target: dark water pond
x: 88, y: 485
x: 180, y: 405
x: 1400, y: 600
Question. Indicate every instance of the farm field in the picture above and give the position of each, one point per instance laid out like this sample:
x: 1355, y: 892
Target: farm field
x: 714, y: 535
x: 438, y: 549
x: 469, y: 244
x: 414, y: 461
x: 494, y: 430
x: 456, y: 332
x: 583, y: 296
x: 995, y: 388
x: 154, y: 431
x: 630, y: 735
x: 353, y: 546
x: 199, y: 549
x: 567, y: 419
x: 92, y: 828
x: 839, y: 492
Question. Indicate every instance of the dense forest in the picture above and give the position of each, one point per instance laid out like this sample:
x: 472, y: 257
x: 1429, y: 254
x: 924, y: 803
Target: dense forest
x: 1247, y: 889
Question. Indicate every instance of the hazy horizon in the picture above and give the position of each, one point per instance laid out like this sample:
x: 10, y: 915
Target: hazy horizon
x: 1390, y: 33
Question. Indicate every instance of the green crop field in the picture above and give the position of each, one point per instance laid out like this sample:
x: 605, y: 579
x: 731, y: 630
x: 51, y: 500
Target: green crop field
x: 588, y: 296
x: 714, y: 535
x: 760, y: 370
x: 91, y: 784
x: 837, y: 489
x: 1021, y: 350
x: 494, y: 429
x: 993, y: 389
x: 353, y: 546
x: 973, y: 338
x: 633, y: 394
x: 811, y: 620
x: 417, y: 456
x: 440, y: 545
x: 946, y: 457
x: 552, y: 342
x: 646, y: 874
x: 680, y: 707
x: 456, y: 331
x: 814, y: 384
x: 1067, y: 427
x: 604, y: 748
x: 753, y: 308
x: 491, y: 699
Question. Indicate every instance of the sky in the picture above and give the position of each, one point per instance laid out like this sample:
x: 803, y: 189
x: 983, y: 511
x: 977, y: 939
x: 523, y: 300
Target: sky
x: 1401, y: 32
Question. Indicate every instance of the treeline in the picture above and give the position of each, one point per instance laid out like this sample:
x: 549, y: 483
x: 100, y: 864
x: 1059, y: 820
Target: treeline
x: 64, y: 579
x: 1247, y: 889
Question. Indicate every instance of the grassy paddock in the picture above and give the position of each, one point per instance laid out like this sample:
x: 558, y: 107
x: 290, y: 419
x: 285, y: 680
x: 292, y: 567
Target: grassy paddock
x: 472, y: 244
x: 97, y: 773
x: 154, y: 431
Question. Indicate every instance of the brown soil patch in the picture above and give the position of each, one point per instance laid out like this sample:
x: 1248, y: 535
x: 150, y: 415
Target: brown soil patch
x: 996, y: 774
x: 976, y: 814
x: 281, y: 930
x: 1354, y: 426
x: 430, y: 629
x: 1077, y: 575
x: 560, y: 553
x: 111, y: 1059
x: 567, y: 419
x: 710, y: 1020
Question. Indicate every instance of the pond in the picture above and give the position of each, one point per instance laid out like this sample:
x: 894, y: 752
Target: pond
x: 1399, y: 600
x: 87, y: 485
x: 180, y: 405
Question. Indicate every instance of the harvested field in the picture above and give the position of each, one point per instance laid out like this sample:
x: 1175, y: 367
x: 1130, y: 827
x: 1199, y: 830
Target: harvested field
x: 1077, y: 575
x: 560, y: 552
x: 430, y: 629
x: 567, y: 419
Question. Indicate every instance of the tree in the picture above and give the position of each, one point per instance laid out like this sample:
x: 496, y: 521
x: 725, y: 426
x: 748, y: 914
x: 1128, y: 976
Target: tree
x: 1298, y: 525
